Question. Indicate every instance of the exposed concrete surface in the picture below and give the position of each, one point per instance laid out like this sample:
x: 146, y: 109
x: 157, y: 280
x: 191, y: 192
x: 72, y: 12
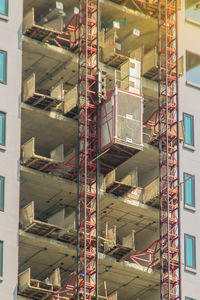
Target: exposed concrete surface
x: 127, y: 277
x: 145, y: 161
x: 50, y: 129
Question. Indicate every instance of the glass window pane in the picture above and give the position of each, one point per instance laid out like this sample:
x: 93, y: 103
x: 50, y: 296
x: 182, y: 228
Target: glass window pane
x: 189, y: 129
x: 190, y: 251
x: 2, y: 193
x: 2, y: 128
x: 193, y: 68
x: 3, y: 7
x: 1, y: 258
x: 3, y: 66
x: 189, y: 194
x: 192, y: 11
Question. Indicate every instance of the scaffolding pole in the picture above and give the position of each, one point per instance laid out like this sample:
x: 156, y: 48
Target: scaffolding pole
x: 170, y: 287
x: 87, y: 241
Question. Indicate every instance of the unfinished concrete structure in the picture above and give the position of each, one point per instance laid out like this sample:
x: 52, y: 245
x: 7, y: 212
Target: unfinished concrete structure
x: 129, y: 189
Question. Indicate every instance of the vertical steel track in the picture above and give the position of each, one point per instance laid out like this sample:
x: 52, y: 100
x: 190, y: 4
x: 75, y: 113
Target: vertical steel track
x: 87, y: 219
x: 170, y: 287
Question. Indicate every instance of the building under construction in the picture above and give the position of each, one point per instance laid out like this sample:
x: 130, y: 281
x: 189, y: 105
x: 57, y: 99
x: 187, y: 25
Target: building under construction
x: 98, y: 189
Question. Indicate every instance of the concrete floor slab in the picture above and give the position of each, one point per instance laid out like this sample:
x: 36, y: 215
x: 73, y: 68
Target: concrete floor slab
x: 45, y: 254
x: 50, y: 129
x: 51, y: 194
x: 49, y: 63
x: 128, y: 215
x: 110, y: 11
x: 145, y: 161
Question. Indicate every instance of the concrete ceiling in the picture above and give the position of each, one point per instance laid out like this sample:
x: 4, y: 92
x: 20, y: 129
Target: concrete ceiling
x: 51, y: 193
x: 49, y: 63
x: 127, y: 215
x: 190, y: 3
x: 50, y: 129
x: 134, y: 19
x: 44, y: 255
x: 144, y: 161
x: 109, y: 11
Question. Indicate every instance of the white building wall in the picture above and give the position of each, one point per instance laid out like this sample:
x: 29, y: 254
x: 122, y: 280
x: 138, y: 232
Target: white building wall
x: 10, y: 97
x: 189, y: 98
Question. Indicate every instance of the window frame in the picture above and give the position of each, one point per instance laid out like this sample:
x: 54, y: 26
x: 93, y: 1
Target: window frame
x: 189, y: 268
x: 6, y: 10
x: 187, y: 205
x: 3, y: 144
x: 189, y: 298
x: 193, y: 142
x: 1, y: 257
x: 189, y: 82
x: 2, y: 181
x: 191, y: 21
x: 4, y: 81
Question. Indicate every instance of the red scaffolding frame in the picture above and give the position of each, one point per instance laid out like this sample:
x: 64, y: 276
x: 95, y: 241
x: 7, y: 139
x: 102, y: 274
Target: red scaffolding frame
x: 169, y: 151
x: 87, y: 243
x: 166, y: 118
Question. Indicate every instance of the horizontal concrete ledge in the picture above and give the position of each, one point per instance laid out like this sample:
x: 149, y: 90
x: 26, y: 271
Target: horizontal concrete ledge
x: 50, y: 193
x: 22, y: 298
x: 36, y: 47
x: 46, y: 190
x: 140, y: 208
x: 50, y: 129
x: 144, y: 272
x: 68, y: 5
x: 49, y: 63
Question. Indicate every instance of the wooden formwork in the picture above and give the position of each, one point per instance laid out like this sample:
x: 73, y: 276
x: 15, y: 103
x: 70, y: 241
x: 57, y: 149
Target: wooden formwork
x: 110, y: 55
x: 37, y: 32
x: 30, y: 224
x: 154, y: 137
x: 115, y: 155
x: 36, y: 289
x: 119, y: 251
x: 46, y: 102
x: 151, y: 193
x: 70, y: 108
x: 38, y: 162
x: 150, y: 64
x: 120, y: 187
x: 69, y: 233
x: 135, y: 195
x: 58, y: 226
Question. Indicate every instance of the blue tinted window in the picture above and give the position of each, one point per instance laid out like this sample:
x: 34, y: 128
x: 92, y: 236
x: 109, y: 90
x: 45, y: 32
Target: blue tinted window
x: 192, y: 11
x: 2, y: 187
x: 190, y: 251
x: 193, y: 68
x: 4, y: 7
x: 189, y: 189
x: 1, y: 258
x: 188, y: 129
x: 2, y: 128
x: 3, y: 66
